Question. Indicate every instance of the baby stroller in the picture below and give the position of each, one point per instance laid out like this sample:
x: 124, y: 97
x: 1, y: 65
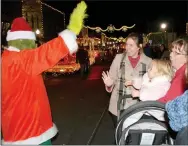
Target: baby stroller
x: 143, y: 124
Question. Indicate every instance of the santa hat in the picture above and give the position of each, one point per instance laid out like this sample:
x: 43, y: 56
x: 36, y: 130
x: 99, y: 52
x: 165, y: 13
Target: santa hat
x: 20, y: 29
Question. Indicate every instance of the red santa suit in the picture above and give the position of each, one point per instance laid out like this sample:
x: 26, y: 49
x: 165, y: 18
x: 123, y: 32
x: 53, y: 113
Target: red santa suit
x: 26, y: 115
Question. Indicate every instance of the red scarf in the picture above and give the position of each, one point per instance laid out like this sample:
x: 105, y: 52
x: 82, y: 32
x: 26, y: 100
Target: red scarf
x: 134, y: 61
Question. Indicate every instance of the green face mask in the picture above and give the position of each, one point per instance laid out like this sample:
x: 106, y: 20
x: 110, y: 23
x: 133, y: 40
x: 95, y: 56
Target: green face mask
x: 22, y: 44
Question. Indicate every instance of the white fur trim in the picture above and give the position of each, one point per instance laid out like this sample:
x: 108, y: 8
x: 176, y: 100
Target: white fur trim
x: 10, y: 48
x: 20, y: 35
x: 70, y: 40
x: 35, y: 140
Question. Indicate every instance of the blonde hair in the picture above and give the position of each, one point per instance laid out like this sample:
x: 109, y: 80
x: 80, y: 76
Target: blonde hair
x: 164, y: 68
x: 181, y: 46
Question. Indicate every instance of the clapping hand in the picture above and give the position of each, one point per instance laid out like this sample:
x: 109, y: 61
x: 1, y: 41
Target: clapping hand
x: 135, y: 93
x: 107, y: 80
x: 128, y: 83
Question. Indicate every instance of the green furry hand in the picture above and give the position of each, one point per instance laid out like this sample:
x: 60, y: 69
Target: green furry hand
x: 77, y: 17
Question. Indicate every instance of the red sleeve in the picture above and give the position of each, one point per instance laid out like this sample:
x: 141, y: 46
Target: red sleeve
x: 177, y: 88
x: 35, y: 61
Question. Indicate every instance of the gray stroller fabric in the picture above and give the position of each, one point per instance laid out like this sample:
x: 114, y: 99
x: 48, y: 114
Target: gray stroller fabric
x: 143, y: 124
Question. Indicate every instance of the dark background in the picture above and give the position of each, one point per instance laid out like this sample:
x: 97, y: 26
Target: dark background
x: 147, y: 15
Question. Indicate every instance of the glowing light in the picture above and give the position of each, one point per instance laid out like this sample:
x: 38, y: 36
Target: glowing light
x: 163, y: 25
x: 37, y: 31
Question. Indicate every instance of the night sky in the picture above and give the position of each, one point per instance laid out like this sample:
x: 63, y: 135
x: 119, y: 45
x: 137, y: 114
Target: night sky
x: 147, y: 15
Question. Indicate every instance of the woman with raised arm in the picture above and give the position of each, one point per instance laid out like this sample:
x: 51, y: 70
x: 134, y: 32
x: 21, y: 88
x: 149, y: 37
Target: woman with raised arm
x: 125, y: 66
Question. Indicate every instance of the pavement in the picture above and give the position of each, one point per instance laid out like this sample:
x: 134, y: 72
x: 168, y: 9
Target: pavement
x: 80, y: 109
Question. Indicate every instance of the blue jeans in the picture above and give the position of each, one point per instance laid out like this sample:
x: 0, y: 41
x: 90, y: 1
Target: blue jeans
x: 182, y: 137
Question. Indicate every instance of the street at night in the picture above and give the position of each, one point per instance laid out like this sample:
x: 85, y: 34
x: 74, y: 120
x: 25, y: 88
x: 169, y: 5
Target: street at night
x: 80, y: 108
x: 94, y: 72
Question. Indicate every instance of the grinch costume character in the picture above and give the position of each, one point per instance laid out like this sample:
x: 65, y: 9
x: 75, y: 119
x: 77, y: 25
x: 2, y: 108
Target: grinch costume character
x: 26, y: 115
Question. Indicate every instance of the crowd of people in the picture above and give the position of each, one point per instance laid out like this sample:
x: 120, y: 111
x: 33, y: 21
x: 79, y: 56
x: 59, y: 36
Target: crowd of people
x: 159, y: 51
x: 137, y: 75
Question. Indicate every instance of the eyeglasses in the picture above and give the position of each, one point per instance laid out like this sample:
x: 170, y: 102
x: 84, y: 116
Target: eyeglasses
x: 177, y: 53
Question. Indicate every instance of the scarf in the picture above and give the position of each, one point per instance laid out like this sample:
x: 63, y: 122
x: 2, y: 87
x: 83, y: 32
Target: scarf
x: 122, y: 89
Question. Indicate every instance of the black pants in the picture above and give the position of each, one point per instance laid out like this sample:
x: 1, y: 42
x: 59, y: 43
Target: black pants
x: 82, y: 69
x: 114, y: 119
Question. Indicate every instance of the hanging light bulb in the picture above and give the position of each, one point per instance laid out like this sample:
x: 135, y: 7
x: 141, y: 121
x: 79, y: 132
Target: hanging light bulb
x: 37, y: 31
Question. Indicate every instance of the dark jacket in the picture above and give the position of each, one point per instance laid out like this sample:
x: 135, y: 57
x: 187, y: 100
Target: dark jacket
x: 82, y: 56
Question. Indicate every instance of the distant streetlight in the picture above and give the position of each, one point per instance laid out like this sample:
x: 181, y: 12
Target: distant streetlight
x: 37, y: 31
x: 163, y: 25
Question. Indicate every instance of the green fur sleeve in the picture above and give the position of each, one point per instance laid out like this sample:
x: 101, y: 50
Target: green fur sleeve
x: 77, y: 17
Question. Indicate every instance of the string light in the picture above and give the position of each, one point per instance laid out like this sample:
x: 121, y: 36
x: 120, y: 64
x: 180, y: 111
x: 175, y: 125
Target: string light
x: 68, y: 68
x: 120, y: 39
x: 71, y: 68
x: 24, y: 11
x: 153, y: 33
x: 149, y: 36
x: 52, y: 8
x: 61, y: 69
x: 55, y: 10
x: 110, y: 28
x: 41, y: 18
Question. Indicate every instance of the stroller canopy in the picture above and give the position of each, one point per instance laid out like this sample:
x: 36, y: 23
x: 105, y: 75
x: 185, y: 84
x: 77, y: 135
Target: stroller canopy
x: 143, y: 124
